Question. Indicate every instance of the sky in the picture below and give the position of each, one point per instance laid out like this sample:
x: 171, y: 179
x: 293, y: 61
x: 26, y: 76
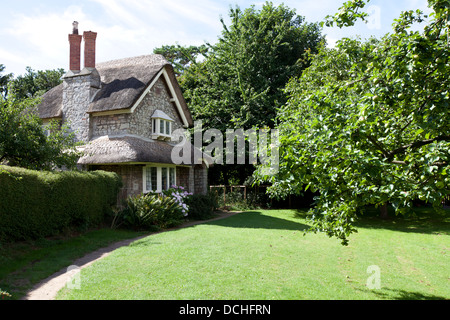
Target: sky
x: 35, y: 33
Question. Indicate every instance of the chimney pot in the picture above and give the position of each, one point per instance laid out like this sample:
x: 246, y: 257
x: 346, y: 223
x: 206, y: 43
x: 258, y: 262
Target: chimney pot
x: 75, y: 27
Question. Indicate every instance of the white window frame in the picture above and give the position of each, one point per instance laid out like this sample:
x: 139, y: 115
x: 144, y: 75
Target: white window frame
x: 159, y: 170
x: 156, y: 127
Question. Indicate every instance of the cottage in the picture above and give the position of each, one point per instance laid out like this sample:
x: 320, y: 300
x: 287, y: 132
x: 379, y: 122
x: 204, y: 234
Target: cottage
x: 124, y: 112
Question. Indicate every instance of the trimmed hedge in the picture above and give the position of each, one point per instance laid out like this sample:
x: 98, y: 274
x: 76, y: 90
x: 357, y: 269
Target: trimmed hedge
x: 36, y: 204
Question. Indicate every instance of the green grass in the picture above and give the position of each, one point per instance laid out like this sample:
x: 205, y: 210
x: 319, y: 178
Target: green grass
x: 25, y: 264
x: 264, y: 255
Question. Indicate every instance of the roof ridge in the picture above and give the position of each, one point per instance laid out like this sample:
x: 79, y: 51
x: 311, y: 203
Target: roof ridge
x: 155, y: 57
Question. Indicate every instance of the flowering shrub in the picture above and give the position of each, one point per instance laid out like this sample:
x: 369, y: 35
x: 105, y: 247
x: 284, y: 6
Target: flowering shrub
x: 154, y: 210
x: 179, y: 195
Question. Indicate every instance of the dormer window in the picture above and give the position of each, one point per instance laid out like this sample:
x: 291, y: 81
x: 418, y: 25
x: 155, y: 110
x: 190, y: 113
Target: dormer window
x: 161, y: 126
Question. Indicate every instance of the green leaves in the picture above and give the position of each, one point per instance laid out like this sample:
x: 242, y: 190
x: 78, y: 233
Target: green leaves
x: 240, y: 82
x: 23, y: 142
x: 348, y: 14
x: 367, y: 123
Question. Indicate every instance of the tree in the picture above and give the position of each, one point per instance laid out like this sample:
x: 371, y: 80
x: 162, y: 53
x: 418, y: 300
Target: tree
x: 181, y: 57
x: 367, y: 122
x: 34, y: 83
x: 4, y: 82
x: 23, y: 141
x: 239, y: 83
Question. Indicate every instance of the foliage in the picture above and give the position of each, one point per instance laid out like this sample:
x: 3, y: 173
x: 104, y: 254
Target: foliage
x: 151, y: 211
x: 4, y: 82
x: 35, y: 83
x: 179, y: 195
x: 23, y: 141
x: 202, y: 206
x: 348, y: 14
x: 181, y: 57
x: 367, y: 124
x: 235, y: 201
x: 37, y: 204
x: 240, y: 81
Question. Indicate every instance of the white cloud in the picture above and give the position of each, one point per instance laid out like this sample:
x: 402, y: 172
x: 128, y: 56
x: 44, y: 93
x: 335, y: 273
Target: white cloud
x: 6, y: 55
x: 125, y: 28
x: 41, y: 40
x: 119, y: 12
x: 133, y: 27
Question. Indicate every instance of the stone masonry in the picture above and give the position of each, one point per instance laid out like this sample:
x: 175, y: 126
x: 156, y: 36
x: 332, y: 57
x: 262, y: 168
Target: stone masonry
x: 139, y: 122
x: 78, y: 90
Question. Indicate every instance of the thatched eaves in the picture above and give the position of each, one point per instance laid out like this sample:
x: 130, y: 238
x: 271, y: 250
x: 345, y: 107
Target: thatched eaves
x: 130, y: 149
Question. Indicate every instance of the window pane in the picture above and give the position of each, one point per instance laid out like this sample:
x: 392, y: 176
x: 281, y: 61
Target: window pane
x: 150, y: 178
x: 154, y: 179
x: 161, y: 126
x: 168, y: 128
x: 164, y: 179
x: 171, y: 177
x: 154, y: 125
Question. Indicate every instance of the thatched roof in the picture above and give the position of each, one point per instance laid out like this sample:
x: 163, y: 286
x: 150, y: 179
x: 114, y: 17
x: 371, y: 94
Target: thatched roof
x: 128, y: 149
x: 123, y: 81
x: 51, y: 104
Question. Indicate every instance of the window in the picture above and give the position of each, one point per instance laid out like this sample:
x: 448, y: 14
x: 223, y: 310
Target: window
x: 151, y: 179
x: 158, y: 178
x: 161, y: 126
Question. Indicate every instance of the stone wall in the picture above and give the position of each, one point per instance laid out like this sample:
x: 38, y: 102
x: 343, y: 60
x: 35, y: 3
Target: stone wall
x: 139, y: 122
x: 183, y: 178
x: 78, y: 90
x: 200, y: 179
x: 131, y: 178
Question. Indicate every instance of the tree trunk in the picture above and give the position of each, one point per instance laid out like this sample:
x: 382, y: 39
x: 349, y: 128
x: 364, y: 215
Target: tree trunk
x: 384, y: 211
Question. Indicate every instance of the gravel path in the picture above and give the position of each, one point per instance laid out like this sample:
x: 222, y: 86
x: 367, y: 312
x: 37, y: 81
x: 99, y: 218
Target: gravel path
x: 48, y: 288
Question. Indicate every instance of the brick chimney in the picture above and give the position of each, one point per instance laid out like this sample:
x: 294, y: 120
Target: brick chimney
x: 89, y: 49
x: 75, y: 48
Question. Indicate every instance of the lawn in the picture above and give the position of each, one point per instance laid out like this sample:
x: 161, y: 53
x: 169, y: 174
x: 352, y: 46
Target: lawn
x: 24, y: 264
x: 265, y: 255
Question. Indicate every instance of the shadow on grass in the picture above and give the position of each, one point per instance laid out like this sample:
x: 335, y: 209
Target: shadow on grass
x: 257, y: 220
x: 423, y: 220
x: 397, y: 294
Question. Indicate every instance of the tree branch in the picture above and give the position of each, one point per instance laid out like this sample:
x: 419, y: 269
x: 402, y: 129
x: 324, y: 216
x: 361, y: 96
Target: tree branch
x: 416, y: 144
x: 378, y: 146
x: 438, y: 164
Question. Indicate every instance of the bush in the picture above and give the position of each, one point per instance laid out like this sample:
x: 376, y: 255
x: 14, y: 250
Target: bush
x: 36, y: 204
x: 179, y: 195
x: 150, y: 212
x: 235, y: 201
x: 201, y: 207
